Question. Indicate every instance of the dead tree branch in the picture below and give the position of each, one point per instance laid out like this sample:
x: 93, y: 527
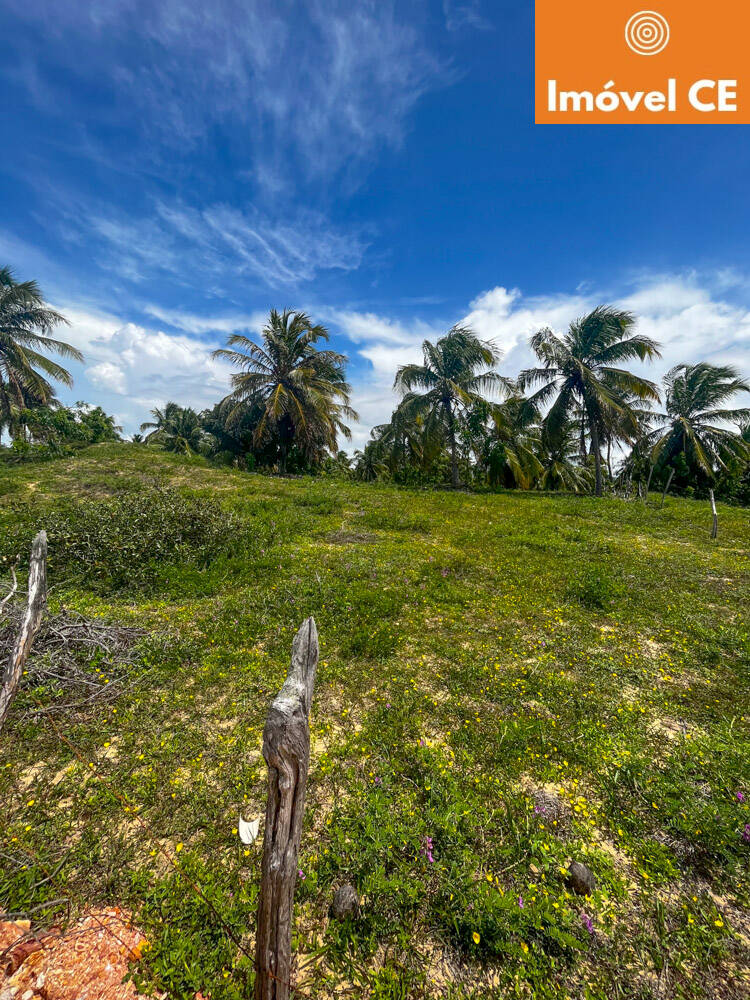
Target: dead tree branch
x: 13, y: 587
x: 32, y: 619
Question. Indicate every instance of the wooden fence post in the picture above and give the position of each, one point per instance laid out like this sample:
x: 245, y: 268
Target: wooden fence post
x: 666, y: 488
x: 286, y: 748
x: 715, y: 524
x: 32, y: 619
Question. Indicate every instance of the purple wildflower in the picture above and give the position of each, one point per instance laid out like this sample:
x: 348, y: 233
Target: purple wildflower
x: 746, y: 833
x: 740, y: 797
x: 426, y: 849
x: 587, y: 923
x: 378, y: 780
x: 520, y: 902
x: 301, y: 875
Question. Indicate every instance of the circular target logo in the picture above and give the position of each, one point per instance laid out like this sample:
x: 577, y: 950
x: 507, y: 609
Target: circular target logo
x: 647, y: 32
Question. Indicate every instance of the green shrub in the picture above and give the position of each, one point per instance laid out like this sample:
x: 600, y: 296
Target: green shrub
x: 120, y: 542
x: 595, y: 588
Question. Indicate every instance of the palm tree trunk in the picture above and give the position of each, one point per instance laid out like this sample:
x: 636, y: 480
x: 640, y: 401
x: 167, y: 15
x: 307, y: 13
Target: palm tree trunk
x: 666, y: 488
x: 455, y: 481
x: 282, y: 458
x: 582, y: 442
x: 609, y: 456
x: 599, y: 487
x: 648, y: 482
x: 714, y: 516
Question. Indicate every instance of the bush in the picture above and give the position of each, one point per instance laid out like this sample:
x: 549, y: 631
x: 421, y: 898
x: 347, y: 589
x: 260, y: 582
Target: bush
x: 120, y: 542
x: 21, y: 451
x: 595, y: 588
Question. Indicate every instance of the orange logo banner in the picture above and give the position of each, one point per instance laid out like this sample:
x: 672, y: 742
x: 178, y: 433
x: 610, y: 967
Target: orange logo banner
x: 621, y: 61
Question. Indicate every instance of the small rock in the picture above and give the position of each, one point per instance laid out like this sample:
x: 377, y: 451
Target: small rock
x: 581, y: 879
x: 345, y: 903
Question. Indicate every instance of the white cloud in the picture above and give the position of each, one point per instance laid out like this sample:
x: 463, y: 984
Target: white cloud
x: 107, y: 375
x: 131, y: 368
x: 385, y: 344
x: 684, y: 313
x: 369, y: 327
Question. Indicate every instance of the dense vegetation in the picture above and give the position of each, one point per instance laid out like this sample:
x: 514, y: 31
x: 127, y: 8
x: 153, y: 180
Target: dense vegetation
x: 459, y: 421
x: 508, y: 683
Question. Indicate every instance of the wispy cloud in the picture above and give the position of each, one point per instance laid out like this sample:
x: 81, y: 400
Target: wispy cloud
x: 313, y: 86
x: 219, y: 241
x: 464, y: 14
x: 201, y: 324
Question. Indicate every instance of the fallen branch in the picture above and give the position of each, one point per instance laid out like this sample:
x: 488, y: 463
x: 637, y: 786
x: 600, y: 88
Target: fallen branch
x: 81, y: 661
x: 13, y: 589
x: 37, y: 600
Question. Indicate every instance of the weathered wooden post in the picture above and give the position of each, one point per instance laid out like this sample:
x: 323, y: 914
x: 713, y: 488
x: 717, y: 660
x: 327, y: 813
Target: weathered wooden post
x: 666, y: 488
x: 32, y: 619
x: 286, y: 748
x: 715, y: 524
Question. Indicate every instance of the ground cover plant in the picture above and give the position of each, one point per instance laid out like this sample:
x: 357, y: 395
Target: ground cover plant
x: 509, y: 683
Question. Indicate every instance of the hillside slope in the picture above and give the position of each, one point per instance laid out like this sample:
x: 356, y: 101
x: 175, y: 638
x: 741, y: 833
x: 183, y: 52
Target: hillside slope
x: 508, y: 683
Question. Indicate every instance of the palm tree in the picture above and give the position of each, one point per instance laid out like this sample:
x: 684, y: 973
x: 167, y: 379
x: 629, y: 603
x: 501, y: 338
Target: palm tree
x: 369, y: 464
x: 454, y: 375
x: 303, y: 390
x: 618, y: 426
x: 342, y: 462
x: 25, y: 325
x: 160, y: 422
x: 400, y: 442
x: 560, y: 459
x: 694, y: 398
x: 515, y: 434
x: 583, y: 368
x: 504, y: 438
x: 175, y: 428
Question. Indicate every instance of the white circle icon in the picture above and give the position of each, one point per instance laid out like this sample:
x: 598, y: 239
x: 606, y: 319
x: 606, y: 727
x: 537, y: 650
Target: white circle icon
x: 647, y: 32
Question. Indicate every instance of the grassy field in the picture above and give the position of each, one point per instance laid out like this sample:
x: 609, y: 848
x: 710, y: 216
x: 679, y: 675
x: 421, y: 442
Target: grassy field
x: 508, y: 683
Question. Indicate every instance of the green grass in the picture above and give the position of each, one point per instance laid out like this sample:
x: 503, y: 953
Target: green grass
x: 474, y: 651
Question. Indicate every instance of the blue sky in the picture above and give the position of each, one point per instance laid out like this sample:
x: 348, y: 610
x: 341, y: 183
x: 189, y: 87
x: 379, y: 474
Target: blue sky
x: 171, y: 170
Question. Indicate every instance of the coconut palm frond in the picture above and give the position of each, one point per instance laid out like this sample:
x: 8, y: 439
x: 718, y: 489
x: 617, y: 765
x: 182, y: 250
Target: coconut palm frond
x: 25, y: 343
